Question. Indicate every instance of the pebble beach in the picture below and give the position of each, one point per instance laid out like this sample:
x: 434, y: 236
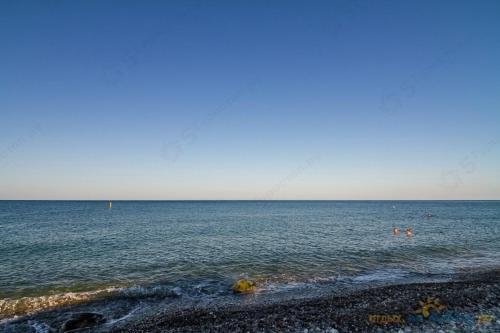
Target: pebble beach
x: 470, y: 305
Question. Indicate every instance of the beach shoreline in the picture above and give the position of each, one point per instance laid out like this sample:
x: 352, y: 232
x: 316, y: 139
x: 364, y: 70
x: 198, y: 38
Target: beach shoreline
x: 468, y: 305
x: 470, y: 302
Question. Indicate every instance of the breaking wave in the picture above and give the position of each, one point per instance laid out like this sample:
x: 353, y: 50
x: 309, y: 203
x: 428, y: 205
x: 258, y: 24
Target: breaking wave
x: 25, y: 305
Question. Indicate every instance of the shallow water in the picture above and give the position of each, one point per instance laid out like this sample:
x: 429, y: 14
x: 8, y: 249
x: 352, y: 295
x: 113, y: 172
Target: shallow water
x: 63, y: 252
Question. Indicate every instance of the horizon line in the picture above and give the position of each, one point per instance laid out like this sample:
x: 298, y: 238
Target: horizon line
x: 250, y: 200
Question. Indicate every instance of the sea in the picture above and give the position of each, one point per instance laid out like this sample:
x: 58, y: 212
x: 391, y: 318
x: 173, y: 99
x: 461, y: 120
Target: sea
x: 140, y: 256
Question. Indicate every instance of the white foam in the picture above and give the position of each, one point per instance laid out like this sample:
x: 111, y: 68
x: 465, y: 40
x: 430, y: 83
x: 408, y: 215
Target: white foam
x: 381, y: 275
x: 8, y: 320
x: 40, y: 327
x: 282, y: 286
x: 29, y: 305
x: 114, y: 321
x: 324, y: 279
x: 26, y: 305
x: 139, y: 291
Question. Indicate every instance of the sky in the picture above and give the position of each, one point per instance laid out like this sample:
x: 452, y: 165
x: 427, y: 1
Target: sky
x: 249, y: 100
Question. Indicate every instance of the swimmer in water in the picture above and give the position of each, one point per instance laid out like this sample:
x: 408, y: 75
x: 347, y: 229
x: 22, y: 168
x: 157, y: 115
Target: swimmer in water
x: 395, y: 231
x: 409, y: 232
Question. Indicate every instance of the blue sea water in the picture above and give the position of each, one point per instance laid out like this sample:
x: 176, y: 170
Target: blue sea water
x: 56, y: 252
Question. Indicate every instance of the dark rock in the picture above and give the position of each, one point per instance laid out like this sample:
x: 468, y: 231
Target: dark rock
x: 82, y: 320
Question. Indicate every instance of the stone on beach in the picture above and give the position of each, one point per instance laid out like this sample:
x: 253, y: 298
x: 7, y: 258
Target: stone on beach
x: 244, y: 286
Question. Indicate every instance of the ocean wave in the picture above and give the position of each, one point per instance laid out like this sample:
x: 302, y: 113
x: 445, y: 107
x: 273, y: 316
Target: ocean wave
x: 10, y: 308
x: 381, y: 275
x: 196, y: 290
x: 26, y: 305
x: 40, y: 327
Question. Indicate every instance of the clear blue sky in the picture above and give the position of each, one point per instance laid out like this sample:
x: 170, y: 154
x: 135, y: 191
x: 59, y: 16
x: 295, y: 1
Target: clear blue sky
x: 249, y: 99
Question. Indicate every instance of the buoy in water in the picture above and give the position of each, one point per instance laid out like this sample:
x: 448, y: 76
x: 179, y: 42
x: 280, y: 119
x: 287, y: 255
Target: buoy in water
x: 244, y: 286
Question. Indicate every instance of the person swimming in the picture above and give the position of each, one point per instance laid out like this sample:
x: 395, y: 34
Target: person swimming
x: 395, y: 231
x: 409, y: 232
